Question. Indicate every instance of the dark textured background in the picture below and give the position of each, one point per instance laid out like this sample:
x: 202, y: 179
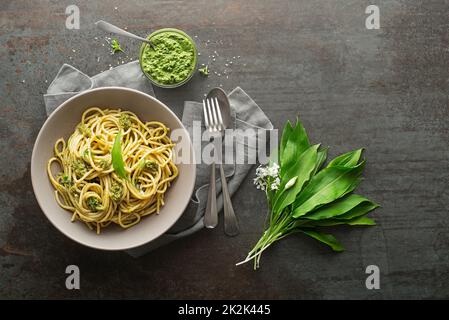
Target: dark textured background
x: 386, y: 90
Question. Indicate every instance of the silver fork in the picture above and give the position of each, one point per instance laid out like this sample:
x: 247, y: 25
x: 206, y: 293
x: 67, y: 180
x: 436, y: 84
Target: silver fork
x: 214, y: 123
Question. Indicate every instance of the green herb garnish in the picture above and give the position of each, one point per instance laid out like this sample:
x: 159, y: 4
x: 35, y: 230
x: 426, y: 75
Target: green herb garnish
x: 204, y: 70
x: 116, y: 46
x: 117, y: 159
x: 304, y: 197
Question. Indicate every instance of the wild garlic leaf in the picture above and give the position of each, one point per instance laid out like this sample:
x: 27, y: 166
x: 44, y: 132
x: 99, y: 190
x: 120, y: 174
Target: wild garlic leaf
x: 326, y: 186
x: 349, y: 159
x: 320, y: 159
x: 288, y: 129
x: 328, y: 239
x: 341, y: 207
x: 296, y: 144
x: 357, y: 221
x: 359, y: 210
x: 300, y: 169
x: 117, y: 159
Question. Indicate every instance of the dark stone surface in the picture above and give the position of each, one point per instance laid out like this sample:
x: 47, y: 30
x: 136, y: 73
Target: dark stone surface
x: 386, y: 90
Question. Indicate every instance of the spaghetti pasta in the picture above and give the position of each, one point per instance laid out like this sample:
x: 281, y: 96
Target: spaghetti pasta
x: 87, y: 184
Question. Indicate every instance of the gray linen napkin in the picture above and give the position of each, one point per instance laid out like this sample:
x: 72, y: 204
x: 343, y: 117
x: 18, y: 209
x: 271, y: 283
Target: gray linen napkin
x: 246, y: 114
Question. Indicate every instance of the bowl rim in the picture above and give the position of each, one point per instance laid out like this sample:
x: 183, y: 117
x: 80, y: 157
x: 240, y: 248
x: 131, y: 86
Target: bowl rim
x: 189, y: 188
x: 175, y: 85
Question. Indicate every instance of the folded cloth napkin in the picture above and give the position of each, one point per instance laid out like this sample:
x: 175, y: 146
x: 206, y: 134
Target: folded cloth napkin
x: 246, y: 114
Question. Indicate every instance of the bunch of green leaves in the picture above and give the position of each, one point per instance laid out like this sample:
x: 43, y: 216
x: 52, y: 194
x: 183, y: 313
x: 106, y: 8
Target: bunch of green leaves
x: 312, y: 196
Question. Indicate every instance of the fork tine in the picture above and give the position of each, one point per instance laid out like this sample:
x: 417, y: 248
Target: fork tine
x: 214, y: 113
x: 206, y: 120
x: 220, y: 118
x: 211, y: 120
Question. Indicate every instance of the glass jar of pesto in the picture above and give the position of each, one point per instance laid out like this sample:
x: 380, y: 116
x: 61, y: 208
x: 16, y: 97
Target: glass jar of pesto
x: 172, y: 60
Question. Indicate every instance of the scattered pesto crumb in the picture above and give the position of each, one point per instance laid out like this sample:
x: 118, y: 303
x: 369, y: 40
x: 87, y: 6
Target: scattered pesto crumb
x: 74, y: 192
x: 65, y: 180
x: 204, y: 70
x: 79, y: 167
x: 93, y: 203
x: 116, y: 46
x: 116, y: 191
x: 151, y: 166
x: 86, y: 155
x: 84, y: 130
x: 104, y: 164
x: 124, y: 121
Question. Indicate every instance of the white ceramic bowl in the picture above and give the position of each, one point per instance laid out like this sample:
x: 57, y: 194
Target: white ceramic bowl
x: 62, y: 123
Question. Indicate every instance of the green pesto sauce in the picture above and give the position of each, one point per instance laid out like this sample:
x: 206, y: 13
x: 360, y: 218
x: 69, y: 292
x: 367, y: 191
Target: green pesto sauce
x: 173, y: 59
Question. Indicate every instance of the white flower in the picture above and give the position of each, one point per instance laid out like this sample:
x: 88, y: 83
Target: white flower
x: 273, y: 171
x: 261, y: 172
x: 275, y: 184
x: 260, y: 182
x: 267, y: 178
